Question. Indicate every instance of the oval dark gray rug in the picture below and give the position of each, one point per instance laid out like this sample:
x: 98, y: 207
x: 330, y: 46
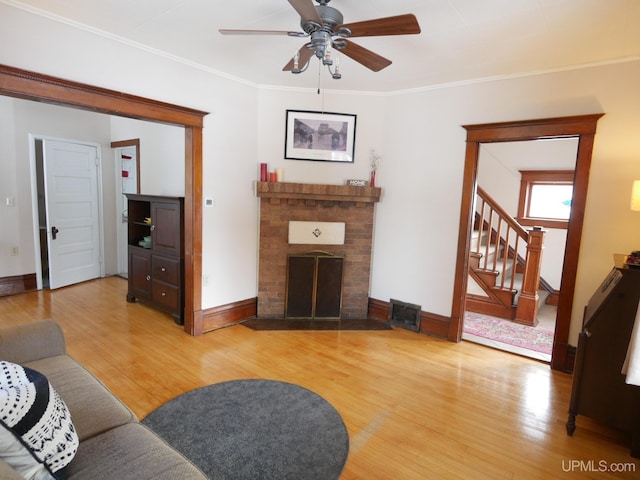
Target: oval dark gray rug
x: 255, y: 429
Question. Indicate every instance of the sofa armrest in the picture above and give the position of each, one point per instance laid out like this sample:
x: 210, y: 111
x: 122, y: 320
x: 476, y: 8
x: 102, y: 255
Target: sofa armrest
x: 31, y: 341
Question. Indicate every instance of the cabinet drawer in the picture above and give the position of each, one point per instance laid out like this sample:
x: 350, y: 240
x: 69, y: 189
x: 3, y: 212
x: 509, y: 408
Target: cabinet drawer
x: 165, y: 269
x: 165, y: 295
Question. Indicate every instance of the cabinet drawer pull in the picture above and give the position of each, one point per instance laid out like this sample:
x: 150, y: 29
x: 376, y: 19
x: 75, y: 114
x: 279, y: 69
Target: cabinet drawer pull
x: 148, y: 277
x: 163, y: 269
x: 164, y: 294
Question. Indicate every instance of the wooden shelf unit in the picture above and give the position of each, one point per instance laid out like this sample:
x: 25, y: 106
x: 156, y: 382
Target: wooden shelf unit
x: 156, y: 271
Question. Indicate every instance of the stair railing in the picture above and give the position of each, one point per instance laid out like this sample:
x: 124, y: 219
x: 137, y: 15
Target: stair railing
x: 500, y: 234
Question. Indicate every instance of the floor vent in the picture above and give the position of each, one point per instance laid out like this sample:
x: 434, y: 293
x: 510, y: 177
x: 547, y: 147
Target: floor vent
x: 405, y: 315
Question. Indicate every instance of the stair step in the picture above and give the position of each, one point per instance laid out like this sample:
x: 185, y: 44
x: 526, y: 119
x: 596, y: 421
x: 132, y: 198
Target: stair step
x: 506, y: 295
x: 489, y: 277
x: 487, y: 306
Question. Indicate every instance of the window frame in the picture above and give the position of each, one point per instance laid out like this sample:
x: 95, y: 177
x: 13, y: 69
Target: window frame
x: 530, y: 178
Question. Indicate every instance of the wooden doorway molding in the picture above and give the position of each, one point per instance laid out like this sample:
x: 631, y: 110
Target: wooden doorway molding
x: 135, y: 143
x: 581, y: 127
x: 42, y: 88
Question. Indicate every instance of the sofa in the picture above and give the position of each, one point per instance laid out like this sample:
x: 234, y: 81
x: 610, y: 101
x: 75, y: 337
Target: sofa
x: 112, y: 443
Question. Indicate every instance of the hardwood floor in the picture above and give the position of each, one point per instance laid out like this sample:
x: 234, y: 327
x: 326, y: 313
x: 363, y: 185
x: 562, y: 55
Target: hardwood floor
x: 416, y: 407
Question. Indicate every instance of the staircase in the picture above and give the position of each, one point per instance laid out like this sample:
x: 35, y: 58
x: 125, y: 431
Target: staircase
x: 504, y: 265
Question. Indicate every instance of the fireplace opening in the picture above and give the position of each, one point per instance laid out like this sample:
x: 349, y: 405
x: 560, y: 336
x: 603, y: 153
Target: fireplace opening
x: 314, y: 286
x: 405, y: 315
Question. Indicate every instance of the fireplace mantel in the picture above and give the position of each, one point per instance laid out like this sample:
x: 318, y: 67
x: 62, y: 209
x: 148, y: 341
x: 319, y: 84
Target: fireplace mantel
x: 313, y: 191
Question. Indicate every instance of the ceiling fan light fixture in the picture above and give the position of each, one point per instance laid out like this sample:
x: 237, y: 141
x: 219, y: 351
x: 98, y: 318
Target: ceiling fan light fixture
x: 326, y: 60
x: 325, y: 27
x: 320, y: 41
x: 336, y: 75
x: 296, y: 64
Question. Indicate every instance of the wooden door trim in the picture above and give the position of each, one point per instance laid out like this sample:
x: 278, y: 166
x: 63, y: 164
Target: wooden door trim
x: 134, y: 142
x: 582, y: 127
x: 34, y: 86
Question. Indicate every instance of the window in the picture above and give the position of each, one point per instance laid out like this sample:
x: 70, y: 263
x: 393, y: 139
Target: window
x: 545, y: 198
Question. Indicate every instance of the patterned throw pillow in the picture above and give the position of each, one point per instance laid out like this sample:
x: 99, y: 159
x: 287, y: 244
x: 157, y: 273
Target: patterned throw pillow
x: 37, y: 436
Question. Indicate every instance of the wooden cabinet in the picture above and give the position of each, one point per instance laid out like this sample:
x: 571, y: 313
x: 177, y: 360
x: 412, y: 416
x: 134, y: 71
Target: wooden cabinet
x: 156, y: 252
x: 599, y: 388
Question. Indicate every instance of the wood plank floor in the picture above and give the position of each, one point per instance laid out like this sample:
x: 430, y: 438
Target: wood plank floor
x: 415, y: 407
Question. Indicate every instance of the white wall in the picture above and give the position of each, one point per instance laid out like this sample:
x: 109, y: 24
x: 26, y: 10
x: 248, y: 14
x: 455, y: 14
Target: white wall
x: 418, y: 133
x: 415, y: 249
x: 25, y: 118
x: 162, y: 168
x: 161, y: 154
x: 229, y: 140
x: 10, y: 232
x: 370, y: 133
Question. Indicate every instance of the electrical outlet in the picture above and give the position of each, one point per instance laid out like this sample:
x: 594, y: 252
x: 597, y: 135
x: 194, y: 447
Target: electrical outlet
x: 205, y: 280
x: 15, y: 251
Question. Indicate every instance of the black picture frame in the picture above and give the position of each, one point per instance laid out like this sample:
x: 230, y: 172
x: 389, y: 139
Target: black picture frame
x: 320, y: 136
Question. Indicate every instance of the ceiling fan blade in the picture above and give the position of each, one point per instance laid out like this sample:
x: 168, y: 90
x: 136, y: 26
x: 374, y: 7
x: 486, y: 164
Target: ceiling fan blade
x: 398, y: 25
x: 305, y: 55
x: 225, y: 31
x: 307, y: 10
x: 369, y: 59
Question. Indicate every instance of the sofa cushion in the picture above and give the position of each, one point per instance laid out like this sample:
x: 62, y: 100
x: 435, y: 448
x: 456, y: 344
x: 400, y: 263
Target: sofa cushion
x: 130, y: 452
x: 93, y: 407
x: 31, y: 341
x: 7, y: 472
x: 37, y: 435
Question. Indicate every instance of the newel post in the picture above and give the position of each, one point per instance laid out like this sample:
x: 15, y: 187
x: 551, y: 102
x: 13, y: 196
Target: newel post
x: 527, y: 310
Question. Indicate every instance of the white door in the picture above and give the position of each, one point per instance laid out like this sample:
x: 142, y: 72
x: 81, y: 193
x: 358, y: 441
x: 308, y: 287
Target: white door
x: 73, y: 220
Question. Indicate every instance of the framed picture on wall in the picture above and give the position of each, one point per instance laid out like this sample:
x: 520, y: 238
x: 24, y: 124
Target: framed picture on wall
x: 320, y: 136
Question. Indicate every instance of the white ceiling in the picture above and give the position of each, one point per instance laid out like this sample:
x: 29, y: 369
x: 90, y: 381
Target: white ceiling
x: 461, y: 40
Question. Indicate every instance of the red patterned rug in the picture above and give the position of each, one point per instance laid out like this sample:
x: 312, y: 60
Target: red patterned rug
x: 499, y: 330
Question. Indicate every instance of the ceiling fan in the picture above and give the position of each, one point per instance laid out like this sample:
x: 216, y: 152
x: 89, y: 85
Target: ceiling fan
x: 325, y: 28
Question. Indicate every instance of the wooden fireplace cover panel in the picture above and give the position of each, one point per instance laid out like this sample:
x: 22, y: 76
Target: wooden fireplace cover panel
x: 329, y: 287
x: 314, y: 286
x: 300, y: 281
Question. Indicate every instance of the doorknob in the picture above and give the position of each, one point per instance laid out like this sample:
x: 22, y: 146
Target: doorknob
x: 54, y: 232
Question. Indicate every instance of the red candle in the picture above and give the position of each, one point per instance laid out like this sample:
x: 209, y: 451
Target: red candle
x: 263, y: 172
x: 273, y: 177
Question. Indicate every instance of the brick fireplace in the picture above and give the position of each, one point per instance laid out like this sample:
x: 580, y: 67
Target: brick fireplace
x: 281, y: 203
